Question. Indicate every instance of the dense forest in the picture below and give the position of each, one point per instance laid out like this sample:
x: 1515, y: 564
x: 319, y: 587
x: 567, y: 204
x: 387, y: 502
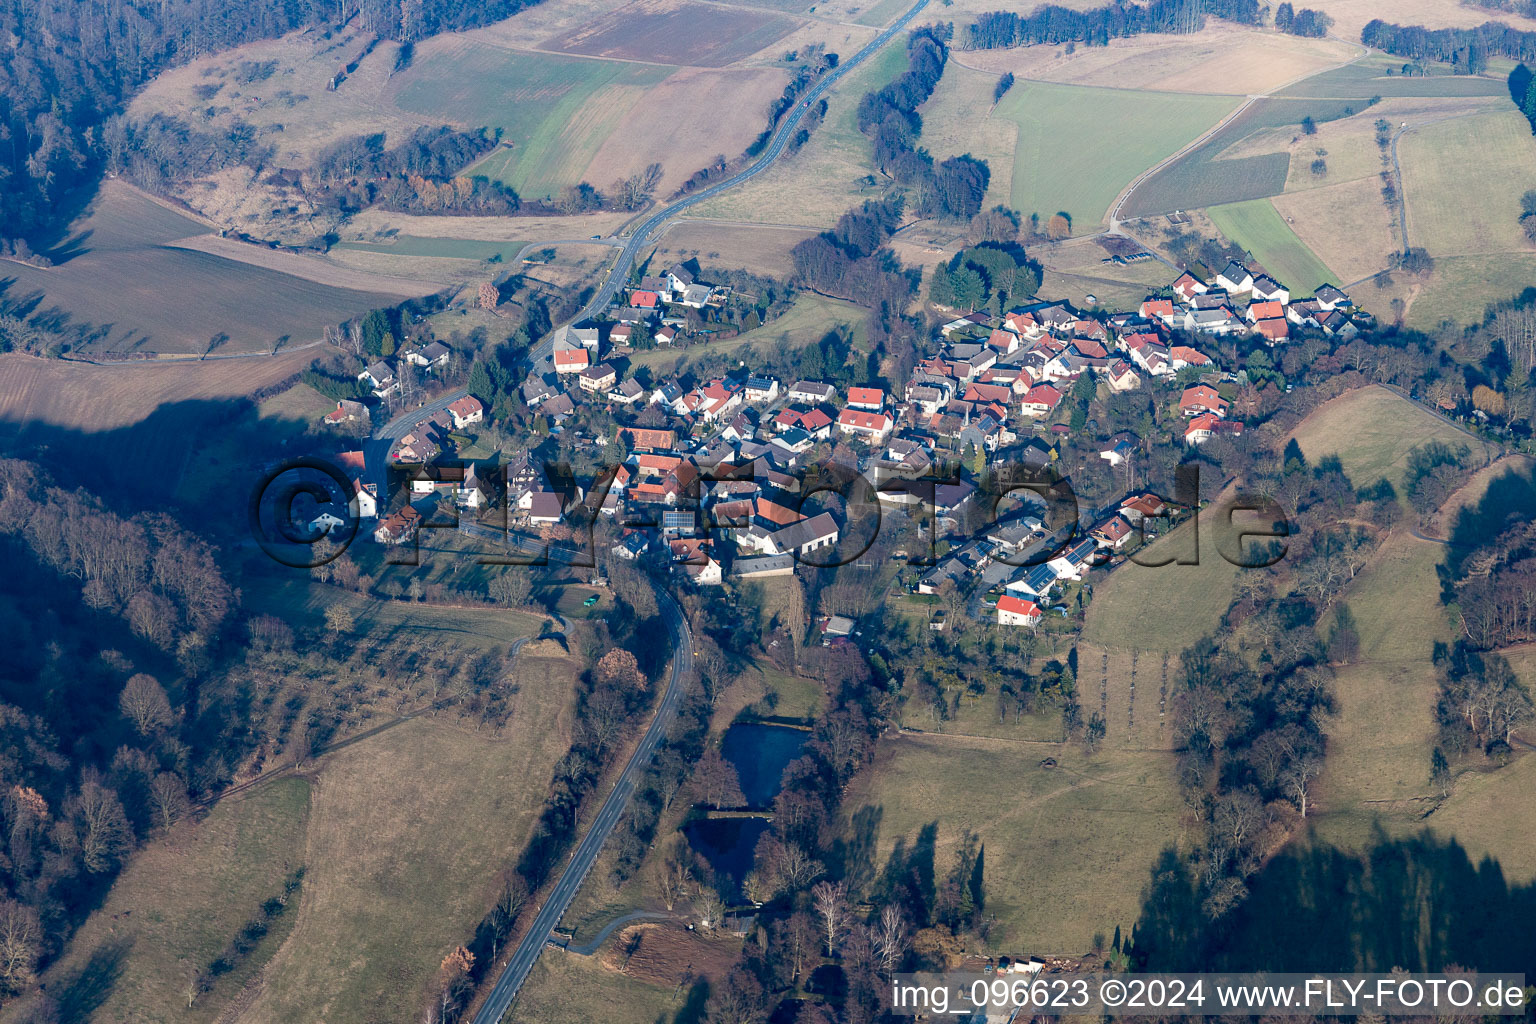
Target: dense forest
x: 1492, y: 38
x: 70, y: 66
x: 1097, y: 26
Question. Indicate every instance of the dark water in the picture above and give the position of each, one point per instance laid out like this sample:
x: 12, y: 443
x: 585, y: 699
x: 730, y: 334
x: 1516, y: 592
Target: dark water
x: 760, y: 753
x: 727, y: 844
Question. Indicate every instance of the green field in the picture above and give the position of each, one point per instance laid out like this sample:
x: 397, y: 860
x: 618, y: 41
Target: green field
x: 555, y: 111
x: 1461, y: 183
x: 1204, y: 177
x: 441, y: 248
x: 1079, y: 146
x: 1258, y: 227
x: 1068, y: 849
x: 1372, y: 430
x: 1367, y: 78
x: 1463, y: 287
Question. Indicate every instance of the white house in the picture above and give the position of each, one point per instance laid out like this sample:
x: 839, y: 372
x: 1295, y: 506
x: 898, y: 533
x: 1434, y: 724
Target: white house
x: 1016, y: 611
x: 465, y: 411
x: 1235, y: 278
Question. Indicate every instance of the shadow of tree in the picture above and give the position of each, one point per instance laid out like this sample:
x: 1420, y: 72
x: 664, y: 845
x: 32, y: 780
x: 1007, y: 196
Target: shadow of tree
x: 79, y: 992
x: 1417, y: 902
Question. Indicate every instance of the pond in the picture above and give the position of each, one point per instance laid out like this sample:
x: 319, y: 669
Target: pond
x: 759, y: 753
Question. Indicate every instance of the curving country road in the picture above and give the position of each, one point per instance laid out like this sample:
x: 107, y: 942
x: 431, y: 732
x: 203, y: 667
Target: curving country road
x: 522, y: 960
x: 619, y: 272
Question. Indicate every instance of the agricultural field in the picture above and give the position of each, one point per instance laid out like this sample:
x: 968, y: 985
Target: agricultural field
x: 1258, y: 227
x: 1377, y: 76
x: 1222, y: 58
x: 553, y: 110
x: 179, y: 903
x: 1350, y: 16
x: 1346, y: 226
x: 675, y: 32
x: 1132, y: 131
x: 1461, y: 196
x: 443, y: 810
x: 1068, y: 848
x: 756, y: 248
x: 111, y: 274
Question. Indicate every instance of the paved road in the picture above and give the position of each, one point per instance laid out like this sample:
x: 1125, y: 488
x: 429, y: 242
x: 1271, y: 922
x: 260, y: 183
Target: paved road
x: 619, y: 273
x: 589, y: 948
x: 522, y: 960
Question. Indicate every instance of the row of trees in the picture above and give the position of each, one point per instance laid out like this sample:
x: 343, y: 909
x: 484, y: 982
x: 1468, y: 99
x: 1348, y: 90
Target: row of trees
x: 1097, y: 26
x: 1491, y: 38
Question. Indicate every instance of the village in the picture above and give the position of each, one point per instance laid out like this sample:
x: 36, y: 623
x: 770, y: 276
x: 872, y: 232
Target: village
x: 708, y: 479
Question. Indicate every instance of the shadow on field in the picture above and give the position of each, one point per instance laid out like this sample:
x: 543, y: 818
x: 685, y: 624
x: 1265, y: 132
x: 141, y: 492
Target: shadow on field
x: 81, y: 991
x: 1418, y: 903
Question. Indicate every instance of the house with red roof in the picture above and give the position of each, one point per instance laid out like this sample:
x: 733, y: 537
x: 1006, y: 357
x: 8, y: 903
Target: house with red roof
x: 1017, y: 611
x: 572, y: 360
x: 1040, y: 400
x: 872, y: 399
x: 866, y: 424
x: 1188, y: 286
x: 465, y: 411
x: 1274, y: 330
x: 1264, y: 311
x: 1202, y: 398
x: 1206, y: 426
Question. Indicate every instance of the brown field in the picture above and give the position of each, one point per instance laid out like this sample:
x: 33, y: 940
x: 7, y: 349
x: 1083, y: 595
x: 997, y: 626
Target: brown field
x: 956, y: 120
x: 177, y: 905
x: 1221, y: 59
x: 675, y: 32
x: 758, y: 248
x: 581, y: 989
x: 294, y: 97
x: 1347, y: 226
x: 1068, y: 849
x: 693, y: 132
x: 374, y: 225
x: 117, y: 277
x: 666, y: 954
x: 93, y: 399
x: 407, y: 830
x: 308, y: 268
x: 1461, y: 197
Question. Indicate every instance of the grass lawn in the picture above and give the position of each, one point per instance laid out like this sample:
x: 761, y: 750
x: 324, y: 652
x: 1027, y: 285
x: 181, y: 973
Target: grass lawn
x: 1078, y: 146
x: 1169, y: 607
x: 1458, y: 183
x: 823, y: 178
x: 407, y: 831
x: 1258, y: 227
x: 811, y: 318
x: 554, y: 110
x: 178, y: 904
x: 1461, y: 288
x: 1372, y: 430
x: 1068, y: 849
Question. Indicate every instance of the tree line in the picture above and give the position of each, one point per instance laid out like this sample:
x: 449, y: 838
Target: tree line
x: 1053, y: 23
x: 1492, y: 38
x: 952, y: 189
